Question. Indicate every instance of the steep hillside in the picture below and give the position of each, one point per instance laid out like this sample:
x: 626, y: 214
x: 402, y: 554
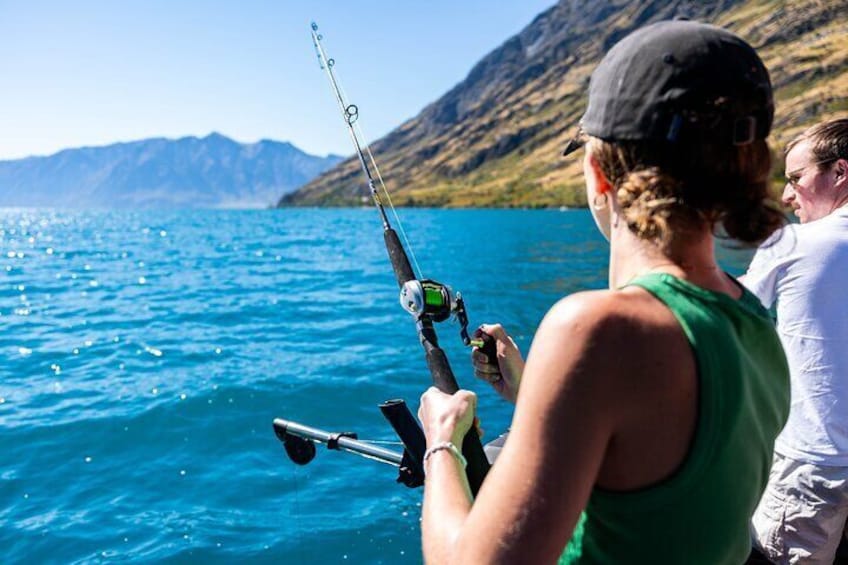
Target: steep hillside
x: 210, y: 172
x: 495, y: 138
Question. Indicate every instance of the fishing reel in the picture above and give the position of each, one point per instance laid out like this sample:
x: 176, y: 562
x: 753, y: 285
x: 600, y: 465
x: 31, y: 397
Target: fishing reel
x: 436, y: 301
x: 429, y: 298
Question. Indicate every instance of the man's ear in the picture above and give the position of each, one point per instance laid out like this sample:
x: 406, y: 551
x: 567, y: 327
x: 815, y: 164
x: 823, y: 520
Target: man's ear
x: 602, y: 185
x: 841, y: 170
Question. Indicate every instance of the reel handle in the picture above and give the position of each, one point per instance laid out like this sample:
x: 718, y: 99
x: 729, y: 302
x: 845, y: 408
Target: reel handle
x: 486, y: 344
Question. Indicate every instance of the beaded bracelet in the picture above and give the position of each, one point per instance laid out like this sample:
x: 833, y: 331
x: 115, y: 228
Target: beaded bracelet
x: 442, y: 446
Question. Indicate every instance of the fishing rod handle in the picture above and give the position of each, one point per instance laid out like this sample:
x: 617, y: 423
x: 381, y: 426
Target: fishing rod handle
x: 441, y: 372
x: 478, y: 463
x: 472, y: 448
x: 400, y: 262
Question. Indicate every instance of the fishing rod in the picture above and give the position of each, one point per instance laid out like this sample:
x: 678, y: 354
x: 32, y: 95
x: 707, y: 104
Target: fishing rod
x: 427, y: 300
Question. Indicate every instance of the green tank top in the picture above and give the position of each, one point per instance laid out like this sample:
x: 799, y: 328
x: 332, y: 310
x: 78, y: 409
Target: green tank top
x: 701, y: 513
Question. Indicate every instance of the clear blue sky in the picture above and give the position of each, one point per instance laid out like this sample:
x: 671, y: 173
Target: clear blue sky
x: 96, y: 72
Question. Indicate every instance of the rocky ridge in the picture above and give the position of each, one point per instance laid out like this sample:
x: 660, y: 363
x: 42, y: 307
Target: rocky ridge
x: 495, y: 138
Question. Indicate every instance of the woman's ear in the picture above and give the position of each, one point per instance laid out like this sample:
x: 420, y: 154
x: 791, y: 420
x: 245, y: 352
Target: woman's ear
x: 602, y: 185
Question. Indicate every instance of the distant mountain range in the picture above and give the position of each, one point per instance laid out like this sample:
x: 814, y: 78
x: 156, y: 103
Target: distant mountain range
x: 190, y: 172
x: 495, y: 138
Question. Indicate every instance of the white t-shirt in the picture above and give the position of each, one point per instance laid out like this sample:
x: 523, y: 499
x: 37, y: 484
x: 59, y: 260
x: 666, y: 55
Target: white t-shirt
x: 805, y: 269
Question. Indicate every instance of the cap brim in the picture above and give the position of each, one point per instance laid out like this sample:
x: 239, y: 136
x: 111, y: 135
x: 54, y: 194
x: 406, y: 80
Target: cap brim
x: 576, y: 142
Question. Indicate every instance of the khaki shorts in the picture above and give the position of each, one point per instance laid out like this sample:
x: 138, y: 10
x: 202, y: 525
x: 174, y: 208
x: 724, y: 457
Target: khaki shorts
x: 802, y: 515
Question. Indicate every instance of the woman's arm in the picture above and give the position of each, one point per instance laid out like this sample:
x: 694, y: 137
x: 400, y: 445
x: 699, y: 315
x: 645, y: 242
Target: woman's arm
x: 565, y: 416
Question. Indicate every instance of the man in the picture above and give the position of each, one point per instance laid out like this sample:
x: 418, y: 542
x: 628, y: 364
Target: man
x: 804, y: 268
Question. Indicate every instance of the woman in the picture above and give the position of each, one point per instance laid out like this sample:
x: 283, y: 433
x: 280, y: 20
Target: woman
x: 647, y: 413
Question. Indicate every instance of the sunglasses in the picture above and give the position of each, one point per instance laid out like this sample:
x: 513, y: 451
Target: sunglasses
x: 794, y: 178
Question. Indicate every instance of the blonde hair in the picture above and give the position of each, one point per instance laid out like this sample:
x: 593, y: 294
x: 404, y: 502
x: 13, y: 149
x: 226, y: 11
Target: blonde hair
x: 666, y: 191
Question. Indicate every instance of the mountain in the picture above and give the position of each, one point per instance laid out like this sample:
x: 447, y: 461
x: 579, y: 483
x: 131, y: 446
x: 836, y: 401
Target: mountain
x: 495, y: 138
x: 209, y: 172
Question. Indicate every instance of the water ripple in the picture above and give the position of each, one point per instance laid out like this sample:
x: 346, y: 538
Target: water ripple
x: 146, y: 354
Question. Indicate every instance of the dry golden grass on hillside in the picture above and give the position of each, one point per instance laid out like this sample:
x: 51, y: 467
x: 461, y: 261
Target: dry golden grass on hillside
x: 821, y: 55
x: 508, y: 152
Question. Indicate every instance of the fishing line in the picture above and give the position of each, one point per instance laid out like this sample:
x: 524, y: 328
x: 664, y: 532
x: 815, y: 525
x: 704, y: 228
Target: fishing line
x: 392, y: 207
x: 428, y: 301
x: 351, y: 115
x: 358, y: 135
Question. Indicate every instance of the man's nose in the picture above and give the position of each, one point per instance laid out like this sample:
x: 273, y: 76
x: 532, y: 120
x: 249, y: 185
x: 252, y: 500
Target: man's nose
x: 788, y: 193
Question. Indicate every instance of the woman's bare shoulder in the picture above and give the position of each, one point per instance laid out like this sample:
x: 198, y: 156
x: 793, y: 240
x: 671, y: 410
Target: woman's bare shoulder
x: 614, y: 335
x: 605, y: 313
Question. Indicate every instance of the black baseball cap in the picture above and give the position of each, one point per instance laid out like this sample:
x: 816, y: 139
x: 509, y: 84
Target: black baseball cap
x: 678, y: 81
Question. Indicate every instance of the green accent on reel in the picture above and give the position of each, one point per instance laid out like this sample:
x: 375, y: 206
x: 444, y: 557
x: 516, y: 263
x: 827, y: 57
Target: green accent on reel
x: 433, y: 296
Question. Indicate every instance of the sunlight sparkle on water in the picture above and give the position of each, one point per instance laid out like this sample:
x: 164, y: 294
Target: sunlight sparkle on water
x: 265, y: 284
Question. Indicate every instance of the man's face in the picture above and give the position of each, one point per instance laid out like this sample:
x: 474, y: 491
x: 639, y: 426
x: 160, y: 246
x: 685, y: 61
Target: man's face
x: 811, y: 191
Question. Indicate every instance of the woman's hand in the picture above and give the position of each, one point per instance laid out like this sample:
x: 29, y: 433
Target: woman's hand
x: 446, y: 417
x: 503, y: 373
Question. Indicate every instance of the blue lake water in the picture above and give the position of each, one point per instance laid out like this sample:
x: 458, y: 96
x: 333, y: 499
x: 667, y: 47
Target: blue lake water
x: 145, y: 355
